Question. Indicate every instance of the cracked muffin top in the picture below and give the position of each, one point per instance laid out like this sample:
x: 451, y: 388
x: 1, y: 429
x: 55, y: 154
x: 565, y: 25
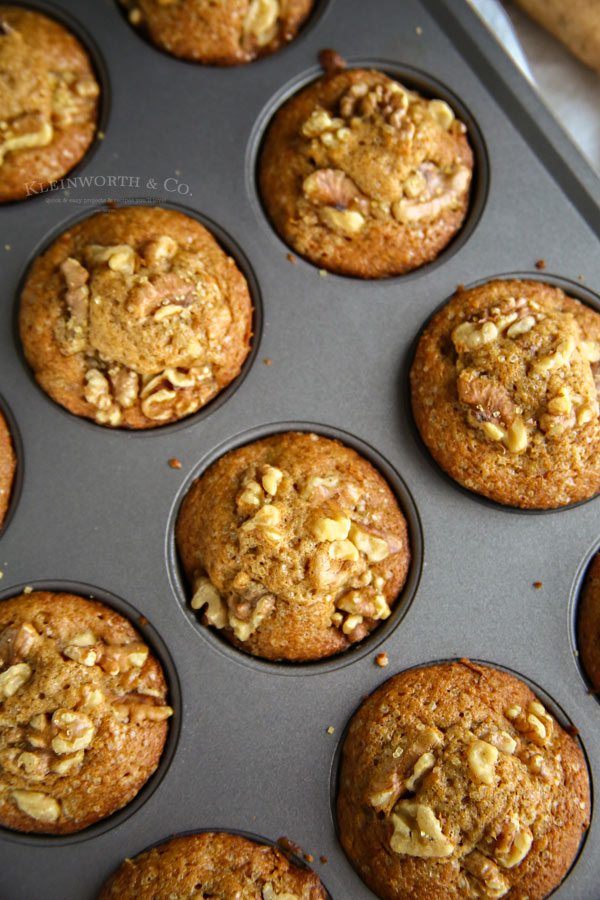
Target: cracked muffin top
x: 135, y: 318
x: 216, y: 865
x: 295, y: 547
x: 8, y: 465
x: 48, y: 102
x: 84, y: 712
x: 588, y: 625
x: 505, y: 385
x: 364, y: 177
x: 457, y: 783
x: 223, y: 34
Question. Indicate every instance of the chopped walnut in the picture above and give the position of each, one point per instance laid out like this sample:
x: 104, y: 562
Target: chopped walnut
x: 261, y: 21
x: 401, y: 773
x: 13, y: 679
x: 418, y: 832
x: 125, y: 385
x: 491, y: 882
x: 159, y: 251
x: 427, y: 205
x: 40, y: 137
x: 490, y: 399
x: 513, y: 845
x: 332, y: 187
x: 535, y: 724
x: 38, y: 805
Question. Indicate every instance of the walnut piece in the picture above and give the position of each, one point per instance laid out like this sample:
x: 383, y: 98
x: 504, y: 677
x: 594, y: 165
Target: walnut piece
x: 40, y: 138
x: 417, y: 832
x: 416, y: 209
x: 332, y: 529
x: 482, y: 758
x: 12, y: 679
x: 76, y: 731
x: 120, y: 258
x: 261, y: 21
x: 269, y: 893
x: 513, y: 845
x: 491, y: 882
x: 536, y: 724
x: 332, y: 187
x: 404, y: 770
x: 271, y: 479
x: 39, y: 806
x: 206, y: 595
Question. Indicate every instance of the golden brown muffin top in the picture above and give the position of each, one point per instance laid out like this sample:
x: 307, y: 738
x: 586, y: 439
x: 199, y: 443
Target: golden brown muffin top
x: 82, y: 712
x: 224, y: 33
x: 295, y: 545
x: 217, y: 865
x: 142, y: 311
x: 588, y: 625
x: 457, y: 782
x: 511, y: 371
x: 47, y: 90
x: 356, y: 154
x: 7, y: 468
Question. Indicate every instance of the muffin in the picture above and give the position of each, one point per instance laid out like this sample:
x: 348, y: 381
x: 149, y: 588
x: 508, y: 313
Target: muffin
x: 212, y: 865
x: 222, y: 34
x: 7, y: 468
x: 365, y: 177
x: 83, y: 712
x: 295, y: 547
x: 456, y: 782
x: 588, y: 625
x: 505, y: 386
x: 48, y: 102
x: 135, y: 318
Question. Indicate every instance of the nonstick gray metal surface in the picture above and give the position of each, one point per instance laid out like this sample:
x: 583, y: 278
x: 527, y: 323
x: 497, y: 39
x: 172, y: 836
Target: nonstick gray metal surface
x: 94, y: 510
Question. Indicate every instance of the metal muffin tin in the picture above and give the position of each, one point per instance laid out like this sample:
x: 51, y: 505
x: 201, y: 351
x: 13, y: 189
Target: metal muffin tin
x: 94, y: 509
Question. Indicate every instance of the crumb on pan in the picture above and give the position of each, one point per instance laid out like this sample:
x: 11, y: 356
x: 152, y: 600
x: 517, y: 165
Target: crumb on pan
x: 331, y: 61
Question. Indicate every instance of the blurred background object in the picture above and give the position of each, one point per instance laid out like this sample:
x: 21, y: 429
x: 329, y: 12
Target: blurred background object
x: 569, y: 88
x: 574, y: 22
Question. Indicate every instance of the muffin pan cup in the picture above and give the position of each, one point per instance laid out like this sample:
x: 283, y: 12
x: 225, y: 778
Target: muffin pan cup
x: 95, y: 506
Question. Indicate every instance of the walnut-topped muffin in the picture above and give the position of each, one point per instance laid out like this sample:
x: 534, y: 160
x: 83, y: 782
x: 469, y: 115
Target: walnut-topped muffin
x: 295, y: 547
x: 505, y: 386
x: 48, y: 101
x: 365, y: 177
x: 135, y: 318
x: 223, y: 34
x: 456, y: 782
x: 7, y: 468
x: 213, y: 865
x: 83, y: 712
x: 588, y: 624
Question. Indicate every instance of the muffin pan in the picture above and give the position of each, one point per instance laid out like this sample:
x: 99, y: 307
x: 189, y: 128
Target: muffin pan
x: 95, y: 507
